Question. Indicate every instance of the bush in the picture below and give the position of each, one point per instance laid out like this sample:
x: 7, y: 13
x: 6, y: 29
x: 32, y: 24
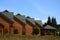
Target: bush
x: 35, y: 31
x: 5, y: 31
x: 23, y: 33
x: 15, y: 31
x: 58, y: 34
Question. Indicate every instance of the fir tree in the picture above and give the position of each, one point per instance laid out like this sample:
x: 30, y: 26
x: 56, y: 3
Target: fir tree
x: 54, y: 23
x: 49, y: 21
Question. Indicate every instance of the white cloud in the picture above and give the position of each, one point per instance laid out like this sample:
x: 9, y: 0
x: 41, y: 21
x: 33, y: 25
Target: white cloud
x: 44, y: 21
x: 36, y: 18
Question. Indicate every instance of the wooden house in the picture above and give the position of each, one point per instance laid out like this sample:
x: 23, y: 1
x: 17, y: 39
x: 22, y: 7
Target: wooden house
x: 39, y: 25
x: 30, y: 23
x: 19, y: 23
x: 6, y: 21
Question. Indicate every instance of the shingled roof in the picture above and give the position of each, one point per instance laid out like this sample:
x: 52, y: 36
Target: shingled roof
x: 31, y: 20
x: 49, y: 27
x: 8, y: 15
x: 39, y: 22
x: 21, y: 18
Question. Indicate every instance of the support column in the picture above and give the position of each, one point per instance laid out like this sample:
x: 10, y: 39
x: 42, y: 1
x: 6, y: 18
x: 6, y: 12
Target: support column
x: 11, y: 29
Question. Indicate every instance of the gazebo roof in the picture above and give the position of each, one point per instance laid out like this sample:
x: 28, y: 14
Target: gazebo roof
x: 49, y: 27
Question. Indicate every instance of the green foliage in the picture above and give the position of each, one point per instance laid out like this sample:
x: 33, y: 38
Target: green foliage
x: 23, y: 33
x: 35, y: 31
x: 51, y: 22
x: 5, y: 31
x: 44, y: 24
x: 58, y: 29
x: 58, y: 33
x: 15, y: 31
x: 54, y: 23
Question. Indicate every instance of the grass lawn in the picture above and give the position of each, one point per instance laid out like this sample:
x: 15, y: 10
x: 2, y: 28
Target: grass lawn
x: 19, y: 37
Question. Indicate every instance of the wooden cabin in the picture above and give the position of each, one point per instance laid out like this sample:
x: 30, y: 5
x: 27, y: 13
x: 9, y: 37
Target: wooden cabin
x: 6, y: 21
x: 19, y: 23
x: 30, y: 23
x: 39, y: 25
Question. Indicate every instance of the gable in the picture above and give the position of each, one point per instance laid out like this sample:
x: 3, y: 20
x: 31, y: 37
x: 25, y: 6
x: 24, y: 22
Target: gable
x: 20, y: 18
x: 30, y: 20
x: 7, y: 15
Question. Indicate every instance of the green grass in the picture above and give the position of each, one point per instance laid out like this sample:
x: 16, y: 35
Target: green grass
x: 22, y: 37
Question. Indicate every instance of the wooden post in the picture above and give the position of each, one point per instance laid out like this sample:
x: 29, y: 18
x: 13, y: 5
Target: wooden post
x: 55, y: 32
x: 11, y: 28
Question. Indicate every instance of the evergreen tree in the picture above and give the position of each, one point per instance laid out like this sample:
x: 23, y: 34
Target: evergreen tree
x: 44, y: 24
x: 54, y: 23
x: 49, y: 21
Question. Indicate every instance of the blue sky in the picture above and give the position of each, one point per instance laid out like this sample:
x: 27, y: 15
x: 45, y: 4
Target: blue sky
x: 40, y: 9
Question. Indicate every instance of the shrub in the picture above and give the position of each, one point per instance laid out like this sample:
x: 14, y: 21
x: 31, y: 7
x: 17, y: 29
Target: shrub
x: 35, y: 31
x: 23, y: 33
x: 15, y: 31
x: 5, y: 31
x: 58, y: 34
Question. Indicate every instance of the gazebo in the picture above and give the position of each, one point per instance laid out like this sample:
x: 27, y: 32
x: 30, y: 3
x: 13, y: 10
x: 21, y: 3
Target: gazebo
x: 48, y: 30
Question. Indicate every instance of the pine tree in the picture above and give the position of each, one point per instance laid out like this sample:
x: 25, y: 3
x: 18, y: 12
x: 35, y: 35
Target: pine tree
x: 44, y: 24
x: 54, y: 23
x: 49, y: 21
